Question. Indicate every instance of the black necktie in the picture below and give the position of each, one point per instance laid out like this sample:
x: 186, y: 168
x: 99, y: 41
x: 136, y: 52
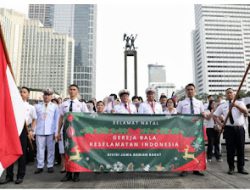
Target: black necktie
x: 70, y: 106
x: 191, y: 106
x: 230, y: 114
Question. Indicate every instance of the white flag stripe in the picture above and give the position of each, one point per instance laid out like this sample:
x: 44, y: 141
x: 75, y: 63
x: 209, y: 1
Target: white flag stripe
x: 17, y: 102
x: 1, y: 169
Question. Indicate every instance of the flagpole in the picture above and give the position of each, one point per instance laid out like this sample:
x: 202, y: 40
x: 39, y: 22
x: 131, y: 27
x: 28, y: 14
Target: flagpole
x: 236, y: 96
x: 6, y: 53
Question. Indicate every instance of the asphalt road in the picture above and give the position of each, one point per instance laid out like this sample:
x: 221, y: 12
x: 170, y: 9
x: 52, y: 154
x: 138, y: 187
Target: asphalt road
x: 215, y: 177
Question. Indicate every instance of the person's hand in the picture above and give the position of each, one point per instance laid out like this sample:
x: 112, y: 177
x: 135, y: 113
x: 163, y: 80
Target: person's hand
x: 58, y: 137
x: 31, y: 135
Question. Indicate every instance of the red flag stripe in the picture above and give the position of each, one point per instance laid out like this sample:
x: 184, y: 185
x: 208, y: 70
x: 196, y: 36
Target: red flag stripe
x: 10, y: 147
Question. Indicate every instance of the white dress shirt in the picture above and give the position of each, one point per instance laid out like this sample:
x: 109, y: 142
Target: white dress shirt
x: 184, y: 106
x: 147, y: 108
x: 239, y: 119
x: 174, y: 111
x: 120, y: 108
x: 209, y: 123
x: 77, y: 106
x: 47, y: 118
x: 30, y: 113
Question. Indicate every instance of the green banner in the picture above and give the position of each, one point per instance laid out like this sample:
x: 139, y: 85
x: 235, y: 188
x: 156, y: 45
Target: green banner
x: 123, y: 142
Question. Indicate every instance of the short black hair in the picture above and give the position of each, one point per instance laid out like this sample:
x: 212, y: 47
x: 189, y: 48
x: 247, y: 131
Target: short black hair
x: 56, y: 100
x: 100, y: 102
x: 74, y: 85
x: 135, y: 97
x: 24, y: 87
x: 163, y: 96
x: 83, y: 100
x: 190, y: 84
x: 209, y: 96
x: 114, y: 95
x: 140, y: 98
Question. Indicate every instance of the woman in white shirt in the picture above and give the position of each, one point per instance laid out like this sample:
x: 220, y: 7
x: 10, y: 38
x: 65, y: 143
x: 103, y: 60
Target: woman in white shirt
x: 170, y: 107
x: 213, y: 134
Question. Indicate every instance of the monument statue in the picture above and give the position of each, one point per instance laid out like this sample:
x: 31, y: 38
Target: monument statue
x: 130, y: 41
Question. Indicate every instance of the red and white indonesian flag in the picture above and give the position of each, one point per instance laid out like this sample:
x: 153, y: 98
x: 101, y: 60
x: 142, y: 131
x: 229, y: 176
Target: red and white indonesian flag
x: 12, y: 114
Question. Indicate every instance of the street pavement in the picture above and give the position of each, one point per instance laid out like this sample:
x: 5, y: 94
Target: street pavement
x: 215, y: 177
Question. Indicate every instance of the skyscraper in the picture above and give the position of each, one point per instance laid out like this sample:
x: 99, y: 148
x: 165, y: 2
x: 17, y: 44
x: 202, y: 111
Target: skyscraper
x: 78, y: 21
x: 43, y: 12
x: 157, y: 79
x: 47, y: 58
x: 156, y: 73
x: 12, y: 25
x: 221, y: 44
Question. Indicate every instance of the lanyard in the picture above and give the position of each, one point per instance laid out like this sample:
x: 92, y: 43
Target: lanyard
x: 152, y: 105
x: 45, y: 111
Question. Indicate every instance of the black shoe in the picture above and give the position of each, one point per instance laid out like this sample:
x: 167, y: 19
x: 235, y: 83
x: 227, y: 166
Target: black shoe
x: 198, y: 173
x: 51, y: 170
x: 18, y: 181
x: 243, y: 172
x: 230, y: 171
x: 183, y: 174
x: 7, y: 180
x: 76, y: 177
x: 38, y: 171
x: 67, y: 177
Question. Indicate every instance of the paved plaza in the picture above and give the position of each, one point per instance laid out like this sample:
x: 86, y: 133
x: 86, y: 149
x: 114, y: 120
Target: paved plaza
x: 215, y: 177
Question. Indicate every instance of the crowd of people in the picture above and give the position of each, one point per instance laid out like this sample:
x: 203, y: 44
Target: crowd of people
x: 43, y: 128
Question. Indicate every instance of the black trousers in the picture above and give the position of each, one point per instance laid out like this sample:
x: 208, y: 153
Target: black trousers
x: 213, y: 142
x: 22, y: 159
x: 235, y: 142
x: 30, y: 154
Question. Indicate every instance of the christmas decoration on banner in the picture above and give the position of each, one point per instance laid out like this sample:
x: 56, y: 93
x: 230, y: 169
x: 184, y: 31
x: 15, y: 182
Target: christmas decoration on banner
x: 121, y: 142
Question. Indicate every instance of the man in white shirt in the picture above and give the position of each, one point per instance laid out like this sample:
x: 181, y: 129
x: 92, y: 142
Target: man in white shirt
x: 150, y: 106
x: 125, y: 106
x: 71, y: 105
x: 30, y: 119
x: 234, y: 132
x: 47, y: 120
x: 190, y: 105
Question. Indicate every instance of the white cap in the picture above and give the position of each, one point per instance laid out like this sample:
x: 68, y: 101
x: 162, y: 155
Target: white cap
x: 48, y: 91
x: 150, y: 89
x: 123, y: 91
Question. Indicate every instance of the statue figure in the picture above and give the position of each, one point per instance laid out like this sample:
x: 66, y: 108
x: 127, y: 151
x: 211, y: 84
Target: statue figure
x: 127, y: 39
x: 132, y: 39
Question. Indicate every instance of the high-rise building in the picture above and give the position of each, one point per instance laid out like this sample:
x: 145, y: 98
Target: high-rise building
x: 12, y: 26
x: 156, y: 73
x: 157, y: 79
x: 221, y: 44
x: 43, y: 12
x: 47, y: 58
x: 78, y: 21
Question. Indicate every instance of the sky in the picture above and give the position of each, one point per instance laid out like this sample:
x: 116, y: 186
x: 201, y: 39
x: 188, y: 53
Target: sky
x: 164, y: 32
